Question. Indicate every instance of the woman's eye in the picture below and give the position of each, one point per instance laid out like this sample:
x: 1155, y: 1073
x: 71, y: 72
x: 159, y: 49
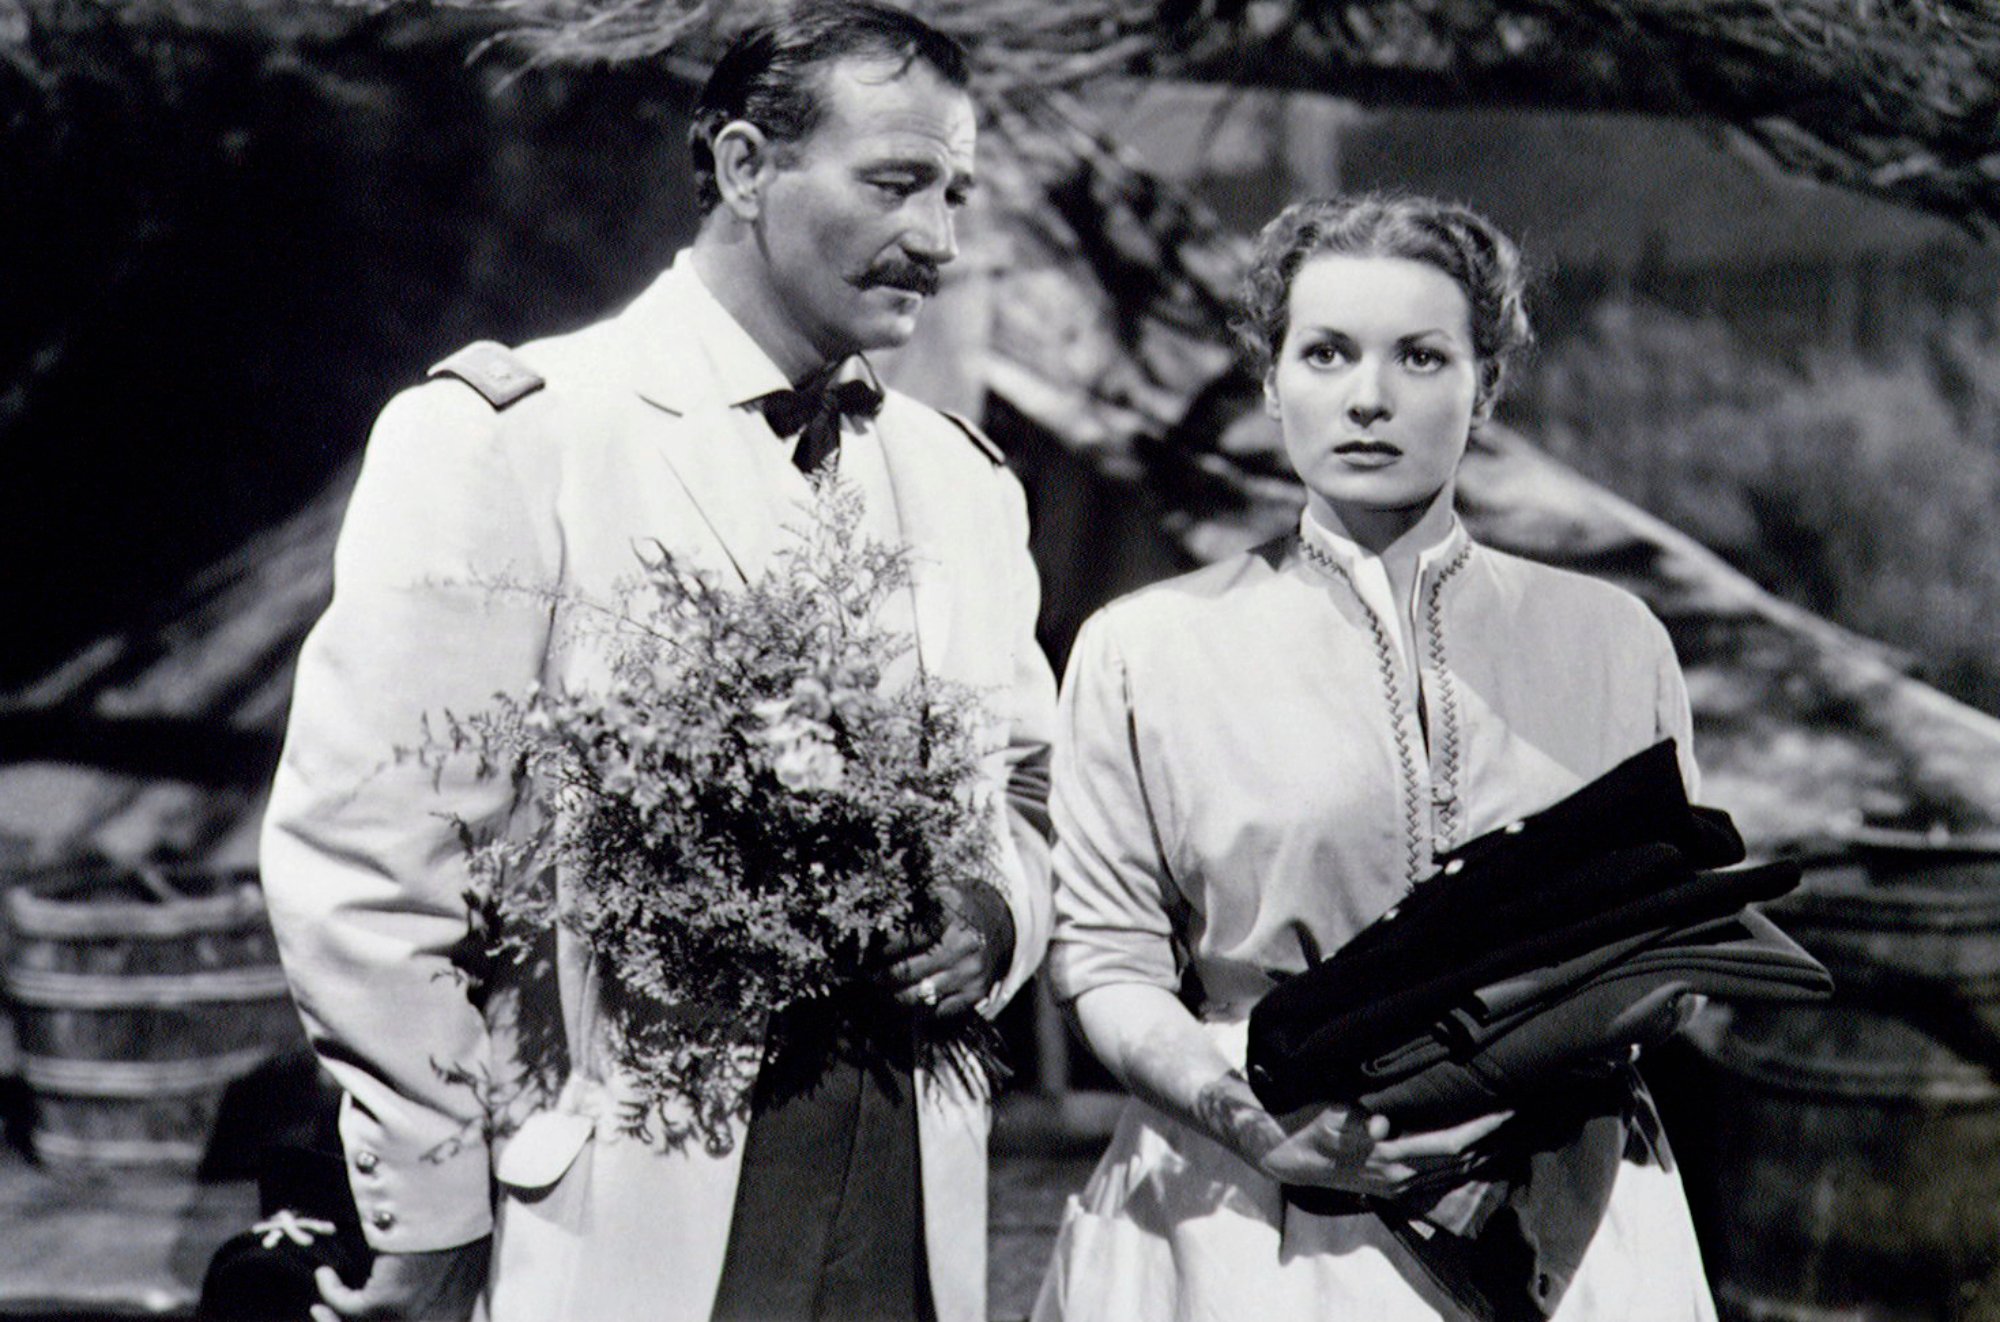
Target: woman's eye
x: 1323, y: 355
x: 1424, y: 360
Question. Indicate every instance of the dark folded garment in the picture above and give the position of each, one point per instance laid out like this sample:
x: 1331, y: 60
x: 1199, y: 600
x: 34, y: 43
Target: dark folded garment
x: 1623, y: 854
x: 1515, y: 876
x: 1518, y: 977
x: 1546, y: 1044
x: 1312, y: 1037
x: 1519, y: 1039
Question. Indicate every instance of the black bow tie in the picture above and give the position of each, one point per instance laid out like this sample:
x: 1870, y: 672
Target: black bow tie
x: 814, y: 416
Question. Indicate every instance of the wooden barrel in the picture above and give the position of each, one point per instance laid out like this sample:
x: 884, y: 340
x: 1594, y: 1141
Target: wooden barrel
x: 1855, y: 1159
x: 139, y: 996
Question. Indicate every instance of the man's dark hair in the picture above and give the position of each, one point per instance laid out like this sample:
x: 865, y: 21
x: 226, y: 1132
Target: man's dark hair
x: 771, y: 74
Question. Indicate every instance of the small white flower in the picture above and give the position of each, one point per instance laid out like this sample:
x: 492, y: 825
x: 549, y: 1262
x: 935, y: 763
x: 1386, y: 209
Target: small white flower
x: 809, y: 764
x: 809, y: 698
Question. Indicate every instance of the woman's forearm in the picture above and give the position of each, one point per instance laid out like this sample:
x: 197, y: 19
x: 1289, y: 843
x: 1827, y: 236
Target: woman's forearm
x: 1146, y: 1037
x: 1152, y: 1045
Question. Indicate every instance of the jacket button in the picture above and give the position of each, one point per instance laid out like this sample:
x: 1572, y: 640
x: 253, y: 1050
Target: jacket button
x: 383, y: 1219
x: 366, y: 1162
x: 1515, y: 828
x: 1394, y: 909
x: 1454, y: 867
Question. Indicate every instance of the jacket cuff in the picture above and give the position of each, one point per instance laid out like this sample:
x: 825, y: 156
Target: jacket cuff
x: 1025, y: 867
x: 1020, y: 965
x: 425, y: 1187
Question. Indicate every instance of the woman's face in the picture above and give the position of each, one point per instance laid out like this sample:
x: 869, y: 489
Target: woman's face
x: 1374, y: 388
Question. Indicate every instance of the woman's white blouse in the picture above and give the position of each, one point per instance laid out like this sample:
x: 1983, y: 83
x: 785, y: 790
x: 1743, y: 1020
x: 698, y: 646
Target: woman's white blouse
x: 1248, y: 769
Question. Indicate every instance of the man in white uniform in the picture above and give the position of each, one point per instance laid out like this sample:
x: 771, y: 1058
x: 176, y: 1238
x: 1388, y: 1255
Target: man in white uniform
x: 833, y: 148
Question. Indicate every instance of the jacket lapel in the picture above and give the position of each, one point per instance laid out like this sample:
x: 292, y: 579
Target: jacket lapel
x: 924, y: 518
x: 742, y: 510
x: 711, y: 446
x: 705, y: 442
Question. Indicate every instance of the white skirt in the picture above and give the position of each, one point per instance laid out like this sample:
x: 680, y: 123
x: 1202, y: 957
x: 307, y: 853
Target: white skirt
x: 1173, y: 1227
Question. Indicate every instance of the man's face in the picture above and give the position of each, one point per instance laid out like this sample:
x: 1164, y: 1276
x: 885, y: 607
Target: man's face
x: 859, y: 215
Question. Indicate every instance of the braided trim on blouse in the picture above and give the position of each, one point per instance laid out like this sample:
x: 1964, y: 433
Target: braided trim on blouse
x: 1448, y: 770
x: 1392, y: 686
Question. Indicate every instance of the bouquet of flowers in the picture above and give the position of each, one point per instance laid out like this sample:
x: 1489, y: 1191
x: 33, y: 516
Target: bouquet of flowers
x: 739, y: 819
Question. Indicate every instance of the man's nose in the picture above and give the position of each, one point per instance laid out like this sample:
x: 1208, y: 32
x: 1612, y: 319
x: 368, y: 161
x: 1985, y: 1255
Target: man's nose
x: 933, y: 231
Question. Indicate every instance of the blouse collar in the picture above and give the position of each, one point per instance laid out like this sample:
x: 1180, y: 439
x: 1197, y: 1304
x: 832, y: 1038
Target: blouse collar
x: 1347, y: 552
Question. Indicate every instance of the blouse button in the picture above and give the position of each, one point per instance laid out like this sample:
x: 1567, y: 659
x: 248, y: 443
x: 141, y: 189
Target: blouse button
x: 383, y: 1219
x: 366, y: 1162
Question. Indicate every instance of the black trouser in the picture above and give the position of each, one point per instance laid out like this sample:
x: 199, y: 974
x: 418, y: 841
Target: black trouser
x: 828, y: 1224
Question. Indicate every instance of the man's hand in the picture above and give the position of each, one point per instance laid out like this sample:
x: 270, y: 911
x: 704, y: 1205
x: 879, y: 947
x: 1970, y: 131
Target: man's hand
x: 441, y: 1286
x: 970, y: 954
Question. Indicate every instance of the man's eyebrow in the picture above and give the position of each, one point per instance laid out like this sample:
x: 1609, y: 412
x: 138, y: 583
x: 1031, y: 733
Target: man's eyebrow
x: 912, y: 164
x: 924, y: 171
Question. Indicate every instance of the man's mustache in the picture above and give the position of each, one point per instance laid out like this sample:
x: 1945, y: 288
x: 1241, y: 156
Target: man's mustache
x: 912, y: 276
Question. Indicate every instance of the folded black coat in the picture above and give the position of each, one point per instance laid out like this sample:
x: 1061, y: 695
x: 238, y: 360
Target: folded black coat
x: 1512, y: 873
x: 1624, y: 856
x: 1518, y: 976
x: 1522, y: 1036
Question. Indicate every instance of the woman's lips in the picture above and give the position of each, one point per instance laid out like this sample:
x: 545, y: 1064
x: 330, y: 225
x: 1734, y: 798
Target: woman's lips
x: 1368, y: 453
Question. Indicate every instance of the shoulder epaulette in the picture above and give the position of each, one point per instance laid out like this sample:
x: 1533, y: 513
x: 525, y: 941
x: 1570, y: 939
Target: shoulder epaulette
x: 494, y: 371
x: 979, y: 438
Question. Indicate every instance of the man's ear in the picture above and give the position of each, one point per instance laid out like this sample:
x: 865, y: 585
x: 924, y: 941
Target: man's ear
x: 744, y: 163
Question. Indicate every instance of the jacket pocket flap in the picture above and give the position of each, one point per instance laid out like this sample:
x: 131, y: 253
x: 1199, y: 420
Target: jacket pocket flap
x: 543, y: 1149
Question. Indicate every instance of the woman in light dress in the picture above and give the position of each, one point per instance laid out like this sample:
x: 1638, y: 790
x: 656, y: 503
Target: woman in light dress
x: 1257, y: 759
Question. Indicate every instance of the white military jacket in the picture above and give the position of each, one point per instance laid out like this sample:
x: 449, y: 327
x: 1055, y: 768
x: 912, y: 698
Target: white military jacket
x: 640, y: 429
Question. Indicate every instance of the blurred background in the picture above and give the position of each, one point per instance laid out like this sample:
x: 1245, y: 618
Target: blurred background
x: 1767, y: 398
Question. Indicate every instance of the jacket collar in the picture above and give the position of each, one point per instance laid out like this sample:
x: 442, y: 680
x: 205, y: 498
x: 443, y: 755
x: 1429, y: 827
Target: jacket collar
x: 699, y: 355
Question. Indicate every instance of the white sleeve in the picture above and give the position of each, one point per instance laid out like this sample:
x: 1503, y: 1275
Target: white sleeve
x: 1028, y: 713
x: 363, y: 863
x: 1114, y: 923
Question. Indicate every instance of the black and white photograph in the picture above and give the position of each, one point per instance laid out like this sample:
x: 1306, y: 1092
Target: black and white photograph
x: 1000, y: 660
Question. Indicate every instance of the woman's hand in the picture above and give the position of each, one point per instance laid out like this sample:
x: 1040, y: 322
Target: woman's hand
x: 1156, y: 1049
x: 441, y: 1286
x: 1336, y: 1147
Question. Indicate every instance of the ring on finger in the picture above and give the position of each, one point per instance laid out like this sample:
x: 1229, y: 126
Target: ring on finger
x: 927, y: 992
